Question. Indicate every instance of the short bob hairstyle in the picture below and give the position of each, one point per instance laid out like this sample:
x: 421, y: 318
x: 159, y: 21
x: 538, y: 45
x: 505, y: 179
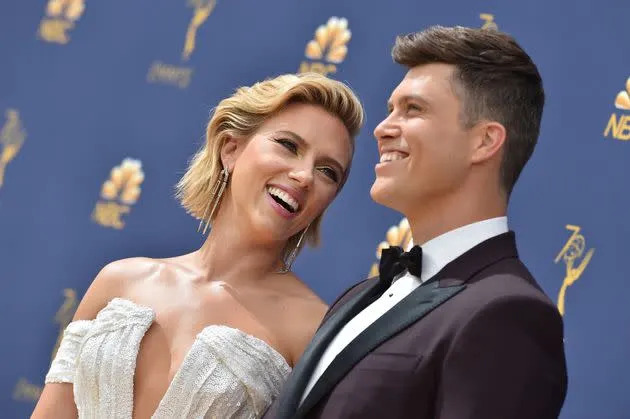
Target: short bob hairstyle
x: 242, y: 114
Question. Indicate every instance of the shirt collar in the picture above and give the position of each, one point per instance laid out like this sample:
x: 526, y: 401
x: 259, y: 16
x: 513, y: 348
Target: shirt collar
x: 443, y: 249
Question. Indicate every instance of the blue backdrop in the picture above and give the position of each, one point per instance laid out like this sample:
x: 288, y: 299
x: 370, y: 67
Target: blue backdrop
x: 102, y: 103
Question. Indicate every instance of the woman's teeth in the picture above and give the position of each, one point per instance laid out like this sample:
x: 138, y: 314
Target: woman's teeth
x: 283, y: 198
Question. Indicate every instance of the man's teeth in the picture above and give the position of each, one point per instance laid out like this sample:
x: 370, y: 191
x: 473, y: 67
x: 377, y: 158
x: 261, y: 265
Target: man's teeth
x: 289, y: 202
x: 392, y: 155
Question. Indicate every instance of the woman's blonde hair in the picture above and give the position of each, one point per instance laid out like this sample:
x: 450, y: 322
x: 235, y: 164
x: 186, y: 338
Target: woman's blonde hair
x: 242, y: 114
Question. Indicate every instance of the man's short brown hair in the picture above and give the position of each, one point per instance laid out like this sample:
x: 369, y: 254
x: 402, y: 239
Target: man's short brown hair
x: 494, y: 79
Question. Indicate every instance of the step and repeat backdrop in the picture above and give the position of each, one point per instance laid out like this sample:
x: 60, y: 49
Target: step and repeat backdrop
x: 102, y: 104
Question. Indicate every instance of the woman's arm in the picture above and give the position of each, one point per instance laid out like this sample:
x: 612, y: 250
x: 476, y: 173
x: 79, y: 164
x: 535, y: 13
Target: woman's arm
x: 57, y: 398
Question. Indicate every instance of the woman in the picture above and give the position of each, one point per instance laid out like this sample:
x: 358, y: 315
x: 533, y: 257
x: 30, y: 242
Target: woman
x: 215, y: 332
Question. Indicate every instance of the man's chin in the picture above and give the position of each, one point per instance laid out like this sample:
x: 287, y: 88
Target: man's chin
x: 383, y: 194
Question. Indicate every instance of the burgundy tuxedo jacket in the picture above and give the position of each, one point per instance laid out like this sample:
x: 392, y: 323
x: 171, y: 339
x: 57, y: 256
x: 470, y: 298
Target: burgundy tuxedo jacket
x: 479, y: 340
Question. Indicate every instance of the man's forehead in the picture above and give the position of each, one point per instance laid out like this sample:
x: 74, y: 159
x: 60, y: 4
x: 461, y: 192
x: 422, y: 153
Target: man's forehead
x: 422, y: 80
x: 442, y: 69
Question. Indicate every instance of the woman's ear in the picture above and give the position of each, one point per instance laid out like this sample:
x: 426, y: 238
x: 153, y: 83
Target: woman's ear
x: 231, y: 149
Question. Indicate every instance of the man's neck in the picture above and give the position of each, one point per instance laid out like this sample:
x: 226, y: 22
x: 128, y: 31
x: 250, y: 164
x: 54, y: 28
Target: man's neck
x: 432, y: 220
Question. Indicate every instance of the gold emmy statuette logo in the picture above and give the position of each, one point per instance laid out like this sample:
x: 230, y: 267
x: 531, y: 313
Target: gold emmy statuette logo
x: 118, y: 193
x: 327, y: 48
x: 181, y: 76
x: 620, y: 128
x: 60, y: 18
x: 399, y: 235
x: 63, y: 317
x: 489, y: 22
x: 12, y: 136
x: 202, y: 10
x: 27, y: 391
x: 570, y: 253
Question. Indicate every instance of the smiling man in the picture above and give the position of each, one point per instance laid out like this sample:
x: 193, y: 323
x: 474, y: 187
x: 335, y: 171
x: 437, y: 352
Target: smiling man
x: 455, y: 328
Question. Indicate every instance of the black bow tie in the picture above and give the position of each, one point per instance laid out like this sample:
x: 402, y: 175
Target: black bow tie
x: 394, y: 261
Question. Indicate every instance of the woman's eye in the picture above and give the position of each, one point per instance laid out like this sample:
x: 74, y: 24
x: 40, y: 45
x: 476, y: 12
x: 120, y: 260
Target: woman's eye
x: 288, y: 144
x: 330, y: 173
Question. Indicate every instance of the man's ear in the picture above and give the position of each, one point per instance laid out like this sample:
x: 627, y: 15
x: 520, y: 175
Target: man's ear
x: 490, y: 139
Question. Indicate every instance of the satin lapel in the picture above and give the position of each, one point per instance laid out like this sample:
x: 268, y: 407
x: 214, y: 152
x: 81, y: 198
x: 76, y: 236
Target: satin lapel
x: 411, y: 309
x: 298, y: 379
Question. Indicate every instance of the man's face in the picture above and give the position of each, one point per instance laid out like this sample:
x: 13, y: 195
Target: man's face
x: 424, y: 150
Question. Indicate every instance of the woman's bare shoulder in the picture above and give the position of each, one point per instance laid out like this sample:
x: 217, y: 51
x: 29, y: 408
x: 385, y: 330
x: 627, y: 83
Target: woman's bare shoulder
x: 298, y: 293
x: 113, y: 280
x: 304, y: 311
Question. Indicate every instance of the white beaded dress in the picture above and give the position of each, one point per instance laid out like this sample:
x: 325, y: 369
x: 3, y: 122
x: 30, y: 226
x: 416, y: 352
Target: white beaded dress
x: 225, y: 374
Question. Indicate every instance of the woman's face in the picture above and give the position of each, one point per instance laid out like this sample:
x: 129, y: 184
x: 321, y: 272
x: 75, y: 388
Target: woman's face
x: 288, y: 172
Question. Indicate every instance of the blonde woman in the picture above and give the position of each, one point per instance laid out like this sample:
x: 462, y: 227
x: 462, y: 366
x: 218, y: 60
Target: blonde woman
x: 214, y: 333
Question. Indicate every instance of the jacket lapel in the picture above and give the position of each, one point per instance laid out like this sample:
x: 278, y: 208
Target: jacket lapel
x: 411, y: 309
x: 298, y: 380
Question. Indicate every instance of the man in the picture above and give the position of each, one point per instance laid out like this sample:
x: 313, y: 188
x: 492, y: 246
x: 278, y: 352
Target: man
x: 456, y: 328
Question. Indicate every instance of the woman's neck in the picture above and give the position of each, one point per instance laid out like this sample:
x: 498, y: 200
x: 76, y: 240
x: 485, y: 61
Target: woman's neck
x: 232, y: 254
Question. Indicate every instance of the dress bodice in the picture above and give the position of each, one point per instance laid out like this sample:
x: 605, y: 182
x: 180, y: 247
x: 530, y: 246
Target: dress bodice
x: 225, y: 374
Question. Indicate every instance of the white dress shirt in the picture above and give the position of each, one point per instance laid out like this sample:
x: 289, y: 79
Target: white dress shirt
x: 436, y: 253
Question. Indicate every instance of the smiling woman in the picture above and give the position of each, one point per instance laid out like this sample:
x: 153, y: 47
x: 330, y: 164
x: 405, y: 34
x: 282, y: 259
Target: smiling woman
x: 241, y: 115
x: 214, y: 332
